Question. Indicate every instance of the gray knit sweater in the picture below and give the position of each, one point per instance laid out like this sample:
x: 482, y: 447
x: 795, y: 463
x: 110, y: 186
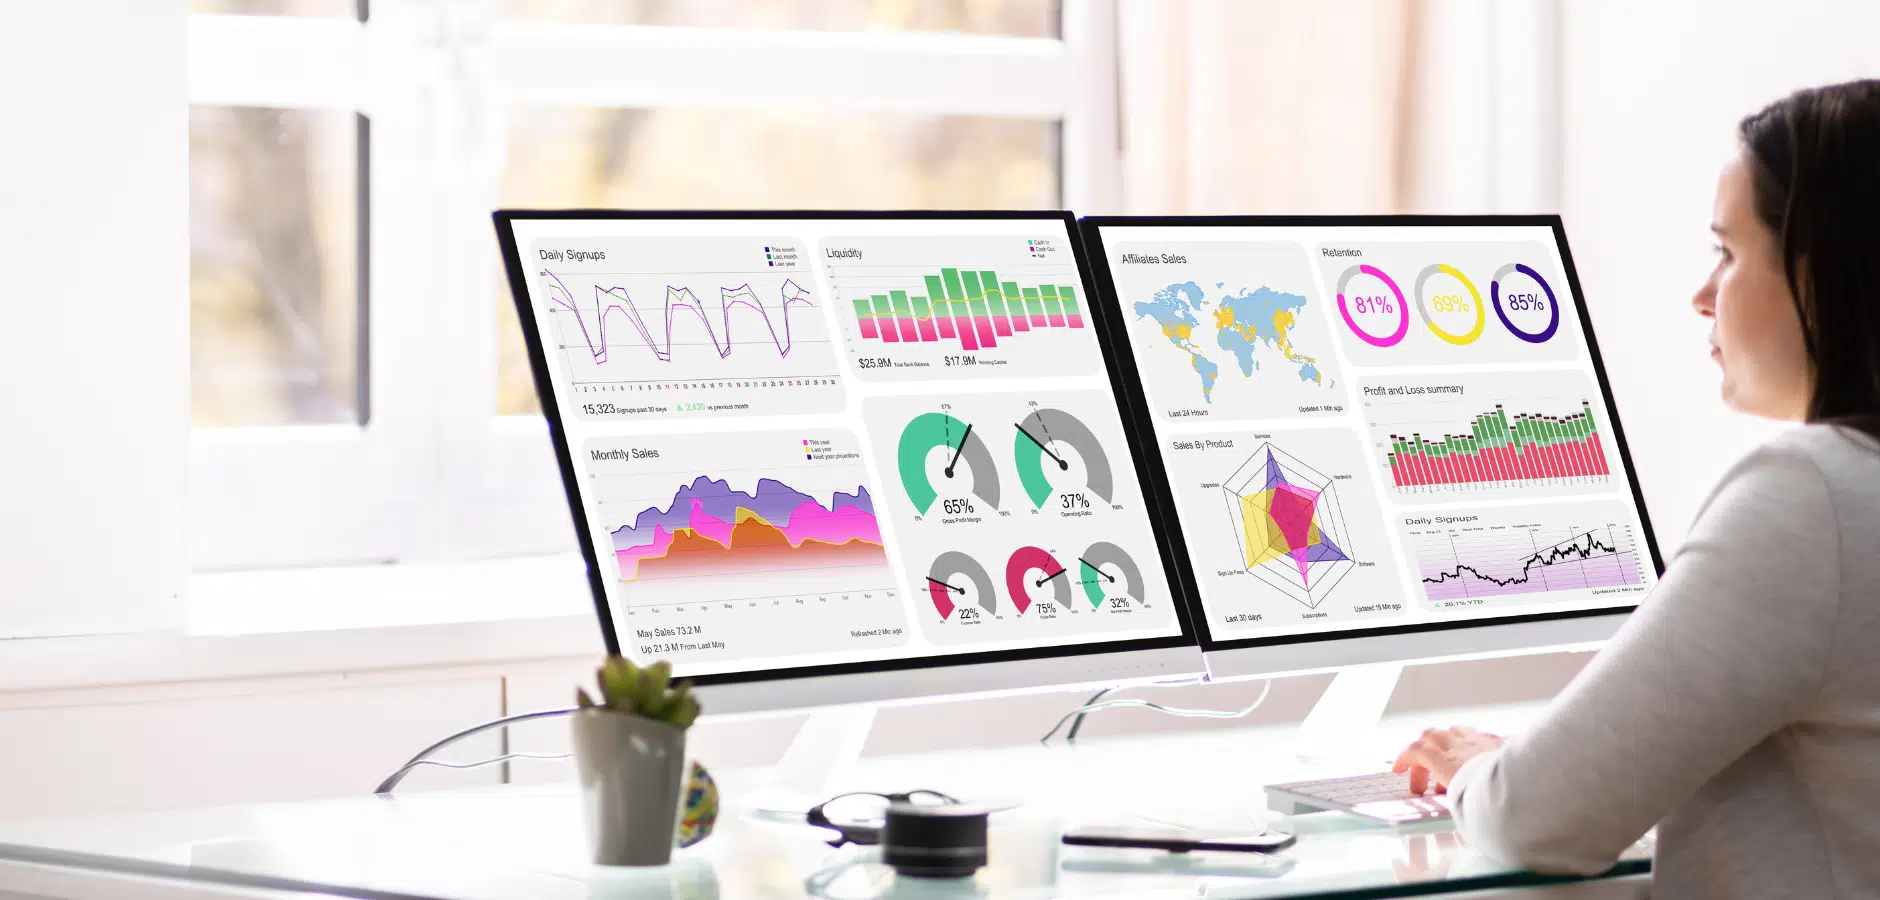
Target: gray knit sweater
x: 1738, y: 709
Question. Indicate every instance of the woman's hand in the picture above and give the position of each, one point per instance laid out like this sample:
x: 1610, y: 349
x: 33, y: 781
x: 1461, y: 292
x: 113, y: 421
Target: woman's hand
x: 1432, y: 760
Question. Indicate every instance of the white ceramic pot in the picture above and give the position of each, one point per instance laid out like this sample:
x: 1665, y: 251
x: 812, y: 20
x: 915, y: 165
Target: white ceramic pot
x: 632, y: 772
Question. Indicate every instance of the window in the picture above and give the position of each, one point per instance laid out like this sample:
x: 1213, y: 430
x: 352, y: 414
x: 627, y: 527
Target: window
x: 360, y: 388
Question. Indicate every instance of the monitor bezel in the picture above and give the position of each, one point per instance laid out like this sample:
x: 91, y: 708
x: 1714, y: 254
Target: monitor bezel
x: 505, y: 220
x: 1108, y: 305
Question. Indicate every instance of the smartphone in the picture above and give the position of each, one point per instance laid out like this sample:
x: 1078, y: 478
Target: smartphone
x: 1175, y: 840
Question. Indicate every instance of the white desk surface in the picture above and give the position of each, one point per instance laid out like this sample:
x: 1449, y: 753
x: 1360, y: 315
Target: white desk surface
x: 527, y: 841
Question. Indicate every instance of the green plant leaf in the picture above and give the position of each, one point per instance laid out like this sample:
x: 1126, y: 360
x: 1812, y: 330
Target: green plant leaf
x: 686, y: 714
x: 582, y: 700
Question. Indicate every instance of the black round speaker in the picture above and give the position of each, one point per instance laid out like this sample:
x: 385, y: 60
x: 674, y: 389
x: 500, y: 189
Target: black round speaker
x: 930, y: 841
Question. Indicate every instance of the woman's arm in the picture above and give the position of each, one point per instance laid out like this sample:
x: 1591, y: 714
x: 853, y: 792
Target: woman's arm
x: 1732, y: 645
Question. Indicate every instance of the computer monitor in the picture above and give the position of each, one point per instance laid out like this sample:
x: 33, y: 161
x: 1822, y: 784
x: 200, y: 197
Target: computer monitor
x: 1384, y: 438
x: 818, y: 458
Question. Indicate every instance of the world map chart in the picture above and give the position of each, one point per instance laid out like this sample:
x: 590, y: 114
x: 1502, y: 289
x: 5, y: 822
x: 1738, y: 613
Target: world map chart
x: 1240, y: 322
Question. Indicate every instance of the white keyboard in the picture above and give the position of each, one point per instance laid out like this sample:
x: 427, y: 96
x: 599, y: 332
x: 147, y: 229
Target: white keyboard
x: 1384, y: 796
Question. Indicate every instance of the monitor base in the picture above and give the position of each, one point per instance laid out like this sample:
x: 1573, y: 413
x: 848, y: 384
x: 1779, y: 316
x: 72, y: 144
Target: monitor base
x: 1341, y: 729
x: 828, y: 744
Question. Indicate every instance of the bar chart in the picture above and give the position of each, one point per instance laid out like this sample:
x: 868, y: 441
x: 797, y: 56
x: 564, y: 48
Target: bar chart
x: 1450, y: 437
x: 974, y: 308
x: 1497, y: 447
x: 961, y: 306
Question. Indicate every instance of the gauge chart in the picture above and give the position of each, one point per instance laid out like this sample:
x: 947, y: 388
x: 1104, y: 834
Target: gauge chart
x: 657, y: 327
x: 1108, y: 573
x: 1032, y: 573
x: 957, y: 581
x: 1039, y: 451
x: 1018, y: 516
x: 938, y: 451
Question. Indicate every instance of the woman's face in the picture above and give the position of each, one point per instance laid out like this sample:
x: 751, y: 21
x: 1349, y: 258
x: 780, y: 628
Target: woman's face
x: 1755, y: 334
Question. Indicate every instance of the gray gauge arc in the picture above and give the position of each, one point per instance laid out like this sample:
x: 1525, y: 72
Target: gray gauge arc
x: 944, y: 577
x: 1038, y: 462
x: 1097, y: 583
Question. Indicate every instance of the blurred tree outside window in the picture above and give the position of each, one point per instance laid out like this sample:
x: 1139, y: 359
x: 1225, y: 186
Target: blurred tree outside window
x: 274, y: 297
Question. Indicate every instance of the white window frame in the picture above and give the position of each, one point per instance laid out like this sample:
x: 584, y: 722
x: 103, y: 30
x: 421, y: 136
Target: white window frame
x: 435, y: 474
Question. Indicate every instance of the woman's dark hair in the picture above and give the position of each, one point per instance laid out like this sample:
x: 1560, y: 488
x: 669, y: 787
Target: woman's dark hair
x: 1815, y: 168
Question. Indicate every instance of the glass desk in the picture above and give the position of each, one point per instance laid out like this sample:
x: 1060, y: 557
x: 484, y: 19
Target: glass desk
x: 527, y: 841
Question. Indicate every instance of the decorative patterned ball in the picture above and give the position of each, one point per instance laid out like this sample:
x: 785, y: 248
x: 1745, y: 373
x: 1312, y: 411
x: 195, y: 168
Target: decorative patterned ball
x: 700, y: 811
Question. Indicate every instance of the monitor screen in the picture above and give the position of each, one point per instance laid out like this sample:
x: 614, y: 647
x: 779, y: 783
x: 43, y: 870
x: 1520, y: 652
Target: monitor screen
x: 1375, y: 425
x: 804, y: 443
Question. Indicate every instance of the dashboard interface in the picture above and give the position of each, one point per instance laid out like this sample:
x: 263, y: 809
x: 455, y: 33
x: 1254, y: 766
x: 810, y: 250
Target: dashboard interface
x: 1375, y: 426
x: 803, y: 442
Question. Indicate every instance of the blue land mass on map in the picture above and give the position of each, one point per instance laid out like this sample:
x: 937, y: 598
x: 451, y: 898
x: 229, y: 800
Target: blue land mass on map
x: 1173, y: 309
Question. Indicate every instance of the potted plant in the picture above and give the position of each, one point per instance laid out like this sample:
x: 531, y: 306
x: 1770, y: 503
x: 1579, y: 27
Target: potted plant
x: 630, y: 751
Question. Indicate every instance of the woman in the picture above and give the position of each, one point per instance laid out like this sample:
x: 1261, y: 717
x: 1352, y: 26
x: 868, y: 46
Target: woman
x: 1739, y: 709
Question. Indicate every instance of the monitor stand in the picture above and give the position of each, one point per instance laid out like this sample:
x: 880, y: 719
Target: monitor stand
x: 827, y: 745
x: 1341, y: 729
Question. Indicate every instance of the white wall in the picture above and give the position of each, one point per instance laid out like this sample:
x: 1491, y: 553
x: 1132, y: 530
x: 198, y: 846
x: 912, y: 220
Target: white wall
x: 94, y: 344
x: 1652, y: 94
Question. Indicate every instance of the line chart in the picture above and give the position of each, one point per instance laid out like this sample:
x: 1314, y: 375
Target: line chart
x: 1463, y: 559
x: 616, y: 298
x: 654, y: 327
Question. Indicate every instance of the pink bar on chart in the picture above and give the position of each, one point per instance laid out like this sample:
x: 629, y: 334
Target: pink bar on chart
x: 1038, y: 320
x: 1599, y: 454
x: 1019, y: 323
x: 1056, y: 320
x: 987, y: 338
x: 1076, y: 320
x: 888, y: 332
x: 908, y: 333
x: 946, y: 326
x: 1396, y: 471
x: 1001, y: 326
x: 967, y: 341
x: 868, y: 328
x: 927, y: 330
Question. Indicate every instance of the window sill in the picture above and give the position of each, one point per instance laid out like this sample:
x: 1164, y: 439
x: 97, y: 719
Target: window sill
x: 331, y: 625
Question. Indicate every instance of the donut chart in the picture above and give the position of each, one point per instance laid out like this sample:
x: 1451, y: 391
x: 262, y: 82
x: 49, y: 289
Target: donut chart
x: 1524, y: 301
x: 1378, y: 303
x: 1033, y: 569
x: 1475, y: 301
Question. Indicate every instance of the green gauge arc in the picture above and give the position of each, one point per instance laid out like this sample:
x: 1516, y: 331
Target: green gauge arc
x: 1095, y: 580
x: 1047, y: 426
x: 964, y: 447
